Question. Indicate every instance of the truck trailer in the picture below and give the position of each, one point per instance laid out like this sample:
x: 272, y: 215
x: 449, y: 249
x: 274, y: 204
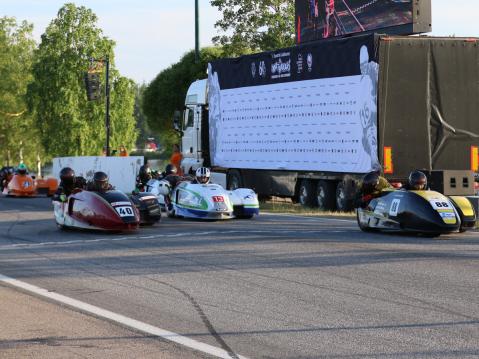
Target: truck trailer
x: 309, y: 121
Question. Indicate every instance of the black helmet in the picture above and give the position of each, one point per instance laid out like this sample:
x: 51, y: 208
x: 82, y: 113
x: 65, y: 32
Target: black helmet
x: 417, y: 181
x: 22, y: 169
x: 370, y: 183
x: 145, y: 173
x: 100, y: 181
x: 170, y: 169
x: 67, y: 176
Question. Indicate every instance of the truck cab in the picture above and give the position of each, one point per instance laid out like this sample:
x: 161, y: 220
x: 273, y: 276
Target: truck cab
x: 191, y: 126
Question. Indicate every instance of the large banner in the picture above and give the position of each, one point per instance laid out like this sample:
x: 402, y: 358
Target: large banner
x: 320, y: 19
x: 122, y: 171
x: 311, y: 108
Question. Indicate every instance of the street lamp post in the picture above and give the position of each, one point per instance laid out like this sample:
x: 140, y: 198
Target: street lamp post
x: 197, y: 32
x: 93, y: 88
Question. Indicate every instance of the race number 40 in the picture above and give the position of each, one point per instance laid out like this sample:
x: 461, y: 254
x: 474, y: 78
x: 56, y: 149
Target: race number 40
x: 124, y: 211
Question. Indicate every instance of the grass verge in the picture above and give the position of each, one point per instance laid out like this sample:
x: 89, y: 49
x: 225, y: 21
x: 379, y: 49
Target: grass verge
x: 295, y: 208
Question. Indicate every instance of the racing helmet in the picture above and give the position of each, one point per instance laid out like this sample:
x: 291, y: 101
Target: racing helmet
x: 145, y: 173
x: 417, y: 181
x: 67, y: 176
x: 170, y: 169
x: 203, y: 175
x: 100, y: 181
x: 370, y: 183
x: 22, y: 169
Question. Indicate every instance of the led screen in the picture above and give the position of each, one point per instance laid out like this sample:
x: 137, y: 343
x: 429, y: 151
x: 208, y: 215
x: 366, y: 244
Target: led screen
x: 309, y: 108
x: 320, y: 19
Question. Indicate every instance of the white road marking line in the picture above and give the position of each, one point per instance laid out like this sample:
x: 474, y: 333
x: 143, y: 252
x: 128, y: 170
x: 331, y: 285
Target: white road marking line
x: 161, y: 236
x: 121, y: 319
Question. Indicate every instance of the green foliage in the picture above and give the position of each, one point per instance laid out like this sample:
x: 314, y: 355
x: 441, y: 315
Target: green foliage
x: 254, y: 25
x: 68, y: 124
x: 123, y: 121
x: 144, y: 131
x: 18, y: 137
x: 167, y: 92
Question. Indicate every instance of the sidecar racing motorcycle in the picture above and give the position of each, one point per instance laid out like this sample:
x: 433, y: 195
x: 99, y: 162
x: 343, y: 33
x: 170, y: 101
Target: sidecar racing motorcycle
x: 207, y: 201
x: 25, y: 185
x: 423, y: 212
x: 111, y: 211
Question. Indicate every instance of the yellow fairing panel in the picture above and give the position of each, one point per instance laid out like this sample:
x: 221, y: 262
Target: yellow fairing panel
x: 464, y: 204
x: 441, y: 204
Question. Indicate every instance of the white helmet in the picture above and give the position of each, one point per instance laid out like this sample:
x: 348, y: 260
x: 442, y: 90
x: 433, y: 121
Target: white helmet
x: 203, y: 175
x: 163, y: 187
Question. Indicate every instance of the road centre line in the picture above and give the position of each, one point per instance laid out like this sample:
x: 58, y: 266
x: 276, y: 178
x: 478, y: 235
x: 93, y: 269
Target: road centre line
x: 121, y: 319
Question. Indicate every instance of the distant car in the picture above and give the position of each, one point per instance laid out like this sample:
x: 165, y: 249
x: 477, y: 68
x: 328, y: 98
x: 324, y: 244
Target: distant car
x: 150, y: 145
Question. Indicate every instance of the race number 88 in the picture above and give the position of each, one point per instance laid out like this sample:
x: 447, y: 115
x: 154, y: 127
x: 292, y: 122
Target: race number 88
x: 440, y: 204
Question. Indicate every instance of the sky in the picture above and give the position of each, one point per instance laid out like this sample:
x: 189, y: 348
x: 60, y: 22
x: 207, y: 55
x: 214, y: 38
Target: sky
x: 150, y: 35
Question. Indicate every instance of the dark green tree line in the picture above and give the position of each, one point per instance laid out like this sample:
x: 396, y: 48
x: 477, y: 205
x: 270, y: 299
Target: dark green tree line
x: 167, y: 92
x: 18, y: 136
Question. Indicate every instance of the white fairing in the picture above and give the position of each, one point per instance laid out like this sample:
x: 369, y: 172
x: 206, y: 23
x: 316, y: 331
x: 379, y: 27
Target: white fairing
x: 62, y: 218
x: 243, y: 196
x: 158, y: 187
x: 212, y: 201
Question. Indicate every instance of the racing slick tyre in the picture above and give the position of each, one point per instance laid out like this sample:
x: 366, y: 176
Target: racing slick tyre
x: 326, y: 195
x: 307, y: 193
x: 170, y: 214
x: 234, y: 180
x: 361, y: 226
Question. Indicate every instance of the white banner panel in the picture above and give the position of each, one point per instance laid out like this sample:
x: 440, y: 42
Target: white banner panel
x: 121, y: 170
x: 325, y: 124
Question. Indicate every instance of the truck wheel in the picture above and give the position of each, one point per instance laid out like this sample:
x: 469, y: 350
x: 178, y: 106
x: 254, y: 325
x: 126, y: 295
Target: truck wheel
x: 343, y: 203
x: 326, y: 195
x: 307, y: 193
x: 234, y: 180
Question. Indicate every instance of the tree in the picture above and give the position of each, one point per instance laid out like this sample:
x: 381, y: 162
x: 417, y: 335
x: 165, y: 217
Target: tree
x: 254, y: 25
x: 18, y: 137
x: 69, y: 125
x: 167, y: 92
x: 144, y: 131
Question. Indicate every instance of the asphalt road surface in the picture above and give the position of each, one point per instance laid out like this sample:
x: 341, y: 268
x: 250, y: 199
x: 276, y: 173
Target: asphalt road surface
x: 277, y: 286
